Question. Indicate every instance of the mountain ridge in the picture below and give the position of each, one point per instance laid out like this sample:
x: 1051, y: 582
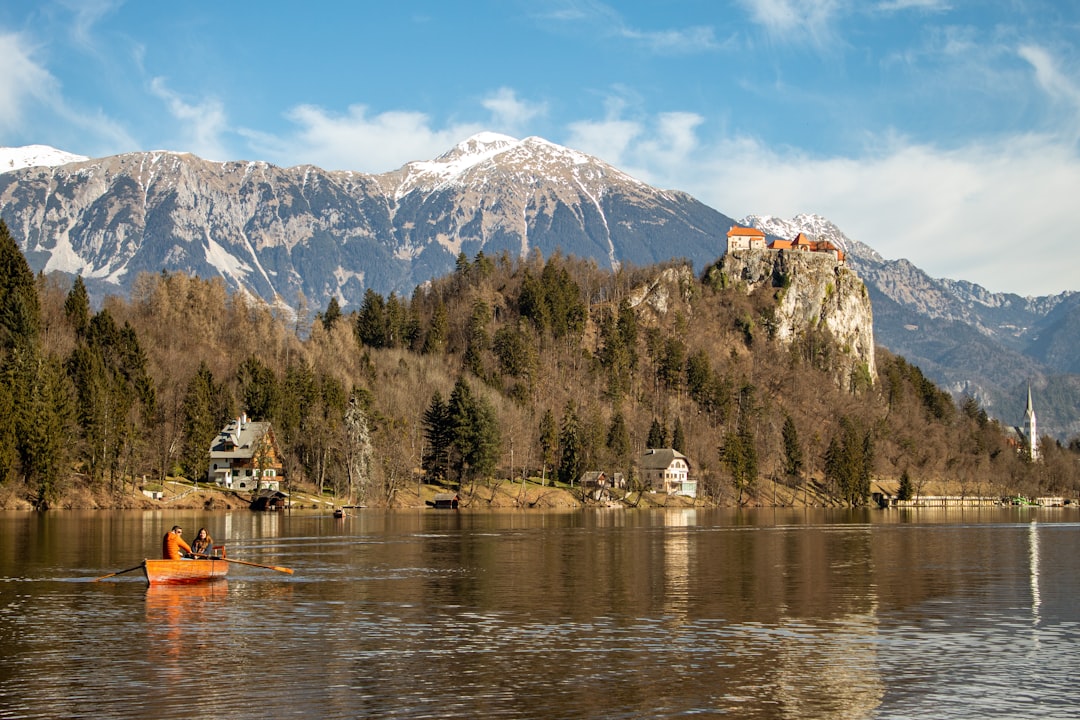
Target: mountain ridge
x: 301, y: 235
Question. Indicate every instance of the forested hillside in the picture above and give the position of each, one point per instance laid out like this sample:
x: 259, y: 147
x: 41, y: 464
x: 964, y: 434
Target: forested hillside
x: 506, y: 368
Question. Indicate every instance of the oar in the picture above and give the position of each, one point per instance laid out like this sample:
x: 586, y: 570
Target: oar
x: 119, y: 572
x: 245, y: 562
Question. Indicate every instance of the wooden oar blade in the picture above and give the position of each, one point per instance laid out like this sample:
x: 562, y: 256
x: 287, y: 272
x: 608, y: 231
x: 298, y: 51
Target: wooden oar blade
x: 118, y: 572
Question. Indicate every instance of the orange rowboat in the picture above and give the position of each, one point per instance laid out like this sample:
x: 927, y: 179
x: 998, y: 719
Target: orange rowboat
x: 183, y: 572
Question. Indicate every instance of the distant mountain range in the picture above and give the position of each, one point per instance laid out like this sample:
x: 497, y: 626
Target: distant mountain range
x: 303, y: 235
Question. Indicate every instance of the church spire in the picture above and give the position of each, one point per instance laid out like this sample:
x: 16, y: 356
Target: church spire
x: 1030, y: 428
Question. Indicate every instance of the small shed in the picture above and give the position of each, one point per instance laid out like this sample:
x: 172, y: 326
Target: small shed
x: 267, y: 499
x: 445, y: 501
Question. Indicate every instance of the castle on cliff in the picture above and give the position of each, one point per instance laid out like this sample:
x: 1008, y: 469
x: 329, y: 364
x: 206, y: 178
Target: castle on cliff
x: 744, y: 238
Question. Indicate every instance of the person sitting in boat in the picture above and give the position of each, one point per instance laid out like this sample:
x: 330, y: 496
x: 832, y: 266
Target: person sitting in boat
x: 203, y: 543
x: 173, y: 546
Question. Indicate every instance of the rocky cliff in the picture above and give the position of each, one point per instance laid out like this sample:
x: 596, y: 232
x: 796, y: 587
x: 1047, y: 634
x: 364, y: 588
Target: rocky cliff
x: 814, y: 292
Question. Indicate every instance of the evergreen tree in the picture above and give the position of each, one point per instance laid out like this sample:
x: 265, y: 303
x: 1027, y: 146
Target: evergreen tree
x: 259, y: 392
x: 77, y: 307
x: 438, y: 438
x: 532, y: 303
x: 438, y: 331
x: 739, y: 454
x: 618, y: 439
x: 475, y: 433
x: 479, y: 342
x: 848, y: 462
x: 793, y: 454
x: 20, y: 314
x: 549, y: 441
x: 657, y: 435
x: 571, y: 446
x: 678, y: 437
x: 203, y: 418
x: 669, y: 368
x: 906, y: 490
x: 371, y: 325
x: 332, y: 314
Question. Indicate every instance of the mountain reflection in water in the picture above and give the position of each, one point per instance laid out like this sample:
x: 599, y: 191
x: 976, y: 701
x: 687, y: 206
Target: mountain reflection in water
x: 608, y: 614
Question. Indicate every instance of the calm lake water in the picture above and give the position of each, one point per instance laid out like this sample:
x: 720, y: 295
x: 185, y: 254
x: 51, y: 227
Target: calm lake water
x: 606, y: 614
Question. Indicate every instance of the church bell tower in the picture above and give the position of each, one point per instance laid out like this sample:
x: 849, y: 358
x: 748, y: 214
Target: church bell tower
x: 1030, y: 428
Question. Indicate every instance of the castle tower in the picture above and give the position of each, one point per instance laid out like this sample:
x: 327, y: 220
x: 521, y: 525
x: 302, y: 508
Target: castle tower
x: 1030, y: 429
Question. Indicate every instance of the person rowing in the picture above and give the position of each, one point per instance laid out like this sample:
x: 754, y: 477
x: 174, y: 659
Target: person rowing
x: 173, y: 546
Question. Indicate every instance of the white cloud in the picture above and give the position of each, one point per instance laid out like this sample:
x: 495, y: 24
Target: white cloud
x: 203, y: 124
x: 23, y: 82
x: 926, y: 5
x: 510, y: 114
x: 359, y: 140
x: 1057, y: 84
x: 686, y: 40
x: 996, y: 214
x: 790, y: 21
x: 598, y: 18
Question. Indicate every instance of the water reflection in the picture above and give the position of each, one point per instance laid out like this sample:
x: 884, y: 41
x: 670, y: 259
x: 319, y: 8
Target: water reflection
x: 583, y: 614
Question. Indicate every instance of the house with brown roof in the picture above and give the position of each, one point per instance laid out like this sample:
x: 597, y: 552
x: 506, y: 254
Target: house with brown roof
x: 665, y: 470
x: 245, y: 455
x: 743, y: 238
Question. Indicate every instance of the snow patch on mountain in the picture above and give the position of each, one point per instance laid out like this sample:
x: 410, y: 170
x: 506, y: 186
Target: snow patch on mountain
x: 16, y: 158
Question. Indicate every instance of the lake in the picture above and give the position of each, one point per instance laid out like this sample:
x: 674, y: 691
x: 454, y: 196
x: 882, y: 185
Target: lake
x: 968, y: 613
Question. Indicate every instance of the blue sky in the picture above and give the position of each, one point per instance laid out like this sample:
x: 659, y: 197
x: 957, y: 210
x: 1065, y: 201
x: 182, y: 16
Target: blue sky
x: 942, y: 131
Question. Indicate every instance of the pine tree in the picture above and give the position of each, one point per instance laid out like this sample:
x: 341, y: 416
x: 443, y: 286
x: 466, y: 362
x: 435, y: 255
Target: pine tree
x: 77, y: 306
x: 203, y: 417
x: 438, y: 331
x: 332, y: 314
x: 657, y: 435
x: 371, y: 325
x: 549, y: 442
x: 20, y: 313
x: 906, y: 490
x: 793, y: 454
x: 678, y: 437
x: 259, y: 391
x: 571, y: 446
x: 618, y: 438
x: 475, y: 433
x: 438, y: 437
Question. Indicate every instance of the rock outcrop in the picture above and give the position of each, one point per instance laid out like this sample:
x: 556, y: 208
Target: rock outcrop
x: 814, y: 292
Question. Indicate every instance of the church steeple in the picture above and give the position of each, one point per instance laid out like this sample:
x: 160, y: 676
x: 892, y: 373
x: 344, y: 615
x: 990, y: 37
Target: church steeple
x: 1030, y: 428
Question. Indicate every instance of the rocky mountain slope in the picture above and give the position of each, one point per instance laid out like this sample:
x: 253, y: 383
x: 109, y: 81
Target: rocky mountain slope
x: 283, y: 233
x: 299, y: 236
x: 966, y: 338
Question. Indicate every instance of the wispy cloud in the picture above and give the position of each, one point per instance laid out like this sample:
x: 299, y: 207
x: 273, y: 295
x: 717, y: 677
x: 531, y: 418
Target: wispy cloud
x: 202, y: 124
x: 603, y: 19
x: 509, y: 113
x: 679, y: 41
x: 377, y: 142
x: 792, y: 21
x: 23, y: 81
x: 1059, y: 85
x: 924, y: 5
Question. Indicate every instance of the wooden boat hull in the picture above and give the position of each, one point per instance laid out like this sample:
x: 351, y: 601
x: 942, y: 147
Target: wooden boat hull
x: 183, y: 572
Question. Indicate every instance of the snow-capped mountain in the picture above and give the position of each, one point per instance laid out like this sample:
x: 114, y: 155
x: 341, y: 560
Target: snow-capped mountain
x: 16, y: 158
x: 280, y: 233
